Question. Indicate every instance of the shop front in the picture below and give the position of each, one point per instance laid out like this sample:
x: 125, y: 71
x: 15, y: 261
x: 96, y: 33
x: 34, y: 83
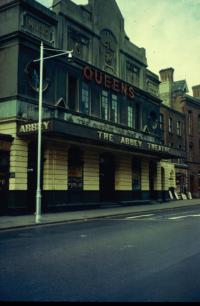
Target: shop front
x: 88, y: 167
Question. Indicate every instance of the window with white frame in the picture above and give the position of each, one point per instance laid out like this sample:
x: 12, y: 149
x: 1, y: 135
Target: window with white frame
x: 161, y: 122
x: 104, y: 105
x: 85, y: 99
x: 130, y: 116
x: 114, y: 114
x: 178, y: 127
x: 170, y: 127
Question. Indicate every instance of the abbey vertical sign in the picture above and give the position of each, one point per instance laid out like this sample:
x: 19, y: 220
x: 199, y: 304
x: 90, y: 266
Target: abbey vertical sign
x: 33, y: 127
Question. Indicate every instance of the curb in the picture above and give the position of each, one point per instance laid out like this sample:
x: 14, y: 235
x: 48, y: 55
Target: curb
x: 96, y: 217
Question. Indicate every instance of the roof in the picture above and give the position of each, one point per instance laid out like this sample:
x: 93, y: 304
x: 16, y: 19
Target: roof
x: 180, y: 85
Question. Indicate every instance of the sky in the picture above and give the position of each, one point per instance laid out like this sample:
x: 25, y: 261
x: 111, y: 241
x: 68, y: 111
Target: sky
x: 168, y: 30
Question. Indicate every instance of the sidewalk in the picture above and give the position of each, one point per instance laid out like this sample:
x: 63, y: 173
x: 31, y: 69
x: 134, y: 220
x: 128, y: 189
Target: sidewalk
x: 9, y: 222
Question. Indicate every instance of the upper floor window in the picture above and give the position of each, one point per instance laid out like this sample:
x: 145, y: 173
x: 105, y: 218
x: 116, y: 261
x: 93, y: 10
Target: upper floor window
x: 170, y: 128
x: 137, y: 116
x: 190, y: 127
x: 191, y: 151
x: 104, y: 105
x: 162, y: 122
x: 179, y: 130
x: 85, y: 99
x: 133, y: 74
x: 114, y: 113
x: 72, y: 92
x: 130, y: 116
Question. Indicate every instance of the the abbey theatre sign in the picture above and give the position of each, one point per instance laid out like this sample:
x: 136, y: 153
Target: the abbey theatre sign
x: 74, y: 131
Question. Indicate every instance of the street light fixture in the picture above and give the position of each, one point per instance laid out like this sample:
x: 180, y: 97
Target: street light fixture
x: 41, y: 60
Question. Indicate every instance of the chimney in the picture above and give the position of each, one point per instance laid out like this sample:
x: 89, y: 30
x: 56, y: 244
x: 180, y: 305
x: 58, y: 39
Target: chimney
x: 167, y: 75
x: 196, y: 91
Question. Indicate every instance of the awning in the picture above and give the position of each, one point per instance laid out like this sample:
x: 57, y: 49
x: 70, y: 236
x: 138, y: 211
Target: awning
x: 82, y: 133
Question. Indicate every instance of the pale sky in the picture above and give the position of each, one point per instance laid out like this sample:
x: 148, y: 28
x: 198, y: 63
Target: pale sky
x: 168, y: 30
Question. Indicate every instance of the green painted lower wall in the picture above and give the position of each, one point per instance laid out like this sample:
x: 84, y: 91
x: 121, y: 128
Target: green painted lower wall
x: 20, y: 202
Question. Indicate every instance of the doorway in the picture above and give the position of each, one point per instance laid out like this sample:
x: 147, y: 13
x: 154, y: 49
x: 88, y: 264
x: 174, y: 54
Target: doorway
x: 4, y: 179
x: 4, y: 170
x: 107, y: 177
x: 163, y: 184
x: 192, y: 187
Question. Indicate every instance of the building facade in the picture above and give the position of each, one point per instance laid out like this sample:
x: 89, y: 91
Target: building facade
x: 101, y: 138
x: 181, y: 114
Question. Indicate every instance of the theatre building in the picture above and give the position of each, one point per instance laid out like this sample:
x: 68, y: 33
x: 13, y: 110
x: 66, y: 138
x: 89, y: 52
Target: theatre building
x: 101, y: 136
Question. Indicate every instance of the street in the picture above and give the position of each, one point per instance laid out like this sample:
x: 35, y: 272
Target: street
x: 148, y: 257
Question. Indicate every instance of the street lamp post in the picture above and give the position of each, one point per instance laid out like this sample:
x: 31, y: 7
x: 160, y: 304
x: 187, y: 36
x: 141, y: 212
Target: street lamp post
x: 41, y: 60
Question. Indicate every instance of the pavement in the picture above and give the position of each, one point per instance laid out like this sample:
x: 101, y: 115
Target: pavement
x: 12, y: 222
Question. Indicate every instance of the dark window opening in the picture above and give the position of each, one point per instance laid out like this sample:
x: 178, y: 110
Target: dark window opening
x: 136, y: 174
x: 72, y: 92
x: 75, y: 169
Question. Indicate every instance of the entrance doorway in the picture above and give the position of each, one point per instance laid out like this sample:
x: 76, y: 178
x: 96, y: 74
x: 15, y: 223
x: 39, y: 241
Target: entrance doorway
x: 163, y: 184
x: 4, y: 178
x: 107, y: 177
x: 4, y: 170
x: 192, y: 187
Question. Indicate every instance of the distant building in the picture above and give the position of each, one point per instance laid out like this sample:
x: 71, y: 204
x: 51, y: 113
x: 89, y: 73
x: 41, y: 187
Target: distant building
x: 101, y: 140
x: 181, y: 117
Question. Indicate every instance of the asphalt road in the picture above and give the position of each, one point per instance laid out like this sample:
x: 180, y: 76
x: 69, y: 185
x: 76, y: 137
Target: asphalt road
x: 152, y: 257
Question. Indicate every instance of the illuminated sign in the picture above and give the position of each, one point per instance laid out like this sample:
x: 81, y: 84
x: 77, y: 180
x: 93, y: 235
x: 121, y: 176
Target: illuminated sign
x: 109, y: 82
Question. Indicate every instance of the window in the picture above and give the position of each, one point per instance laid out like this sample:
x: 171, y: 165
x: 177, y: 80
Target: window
x: 133, y: 74
x: 178, y: 126
x: 190, y: 122
x: 130, y: 116
x: 95, y: 102
x: 170, y: 126
x: 114, y: 113
x: 72, y: 92
x: 104, y: 105
x: 162, y: 122
x: 85, y: 99
x: 191, y: 151
x: 137, y: 117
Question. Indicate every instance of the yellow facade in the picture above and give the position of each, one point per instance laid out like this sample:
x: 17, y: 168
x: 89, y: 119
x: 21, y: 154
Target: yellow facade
x: 91, y: 170
x: 123, y: 172
x: 18, y: 157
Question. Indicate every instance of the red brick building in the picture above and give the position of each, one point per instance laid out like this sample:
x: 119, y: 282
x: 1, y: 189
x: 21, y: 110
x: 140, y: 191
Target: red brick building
x: 180, y: 118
